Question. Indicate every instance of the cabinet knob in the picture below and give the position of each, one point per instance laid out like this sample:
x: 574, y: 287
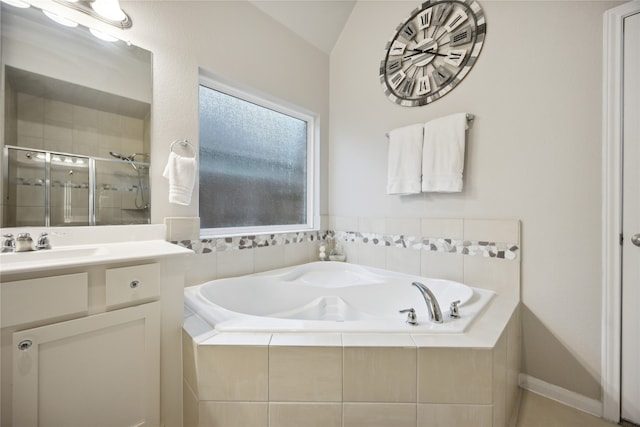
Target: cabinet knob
x: 134, y: 284
x: 25, y: 345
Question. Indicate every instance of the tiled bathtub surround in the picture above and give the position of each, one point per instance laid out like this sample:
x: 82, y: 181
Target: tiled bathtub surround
x: 350, y: 380
x: 482, y: 253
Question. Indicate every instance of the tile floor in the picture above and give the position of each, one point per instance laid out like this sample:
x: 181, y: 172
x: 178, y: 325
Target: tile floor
x: 538, y: 411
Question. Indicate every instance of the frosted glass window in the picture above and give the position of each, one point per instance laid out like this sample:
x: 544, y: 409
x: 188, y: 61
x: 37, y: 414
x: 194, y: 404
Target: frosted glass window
x: 253, y: 164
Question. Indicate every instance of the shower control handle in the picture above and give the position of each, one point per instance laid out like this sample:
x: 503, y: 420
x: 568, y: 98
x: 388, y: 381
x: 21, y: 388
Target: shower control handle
x: 635, y: 239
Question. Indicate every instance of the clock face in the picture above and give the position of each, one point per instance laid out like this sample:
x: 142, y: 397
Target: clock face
x: 432, y: 51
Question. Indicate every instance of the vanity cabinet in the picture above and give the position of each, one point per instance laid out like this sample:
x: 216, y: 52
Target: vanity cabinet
x: 100, y: 370
x: 84, y: 348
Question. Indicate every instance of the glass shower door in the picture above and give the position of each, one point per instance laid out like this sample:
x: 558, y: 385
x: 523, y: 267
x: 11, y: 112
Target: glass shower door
x: 122, y: 192
x: 69, y: 187
x: 25, y: 201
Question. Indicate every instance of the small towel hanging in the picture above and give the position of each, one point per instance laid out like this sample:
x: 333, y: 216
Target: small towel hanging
x: 184, y: 143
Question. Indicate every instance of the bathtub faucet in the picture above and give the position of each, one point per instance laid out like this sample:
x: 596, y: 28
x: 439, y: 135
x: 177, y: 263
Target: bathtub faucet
x: 433, y: 308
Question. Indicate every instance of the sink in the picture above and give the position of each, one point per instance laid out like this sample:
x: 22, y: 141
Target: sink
x: 56, y: 254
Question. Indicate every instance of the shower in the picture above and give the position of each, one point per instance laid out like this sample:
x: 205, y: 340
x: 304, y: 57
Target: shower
x: 140, y: 201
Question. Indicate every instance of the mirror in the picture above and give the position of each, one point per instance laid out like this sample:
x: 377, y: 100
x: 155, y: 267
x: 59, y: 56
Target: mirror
x: 77, y: 113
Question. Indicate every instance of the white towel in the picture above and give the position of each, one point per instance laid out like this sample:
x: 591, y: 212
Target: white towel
x: 405, y: 158
x: 181, y: 173
x: 443, y: 154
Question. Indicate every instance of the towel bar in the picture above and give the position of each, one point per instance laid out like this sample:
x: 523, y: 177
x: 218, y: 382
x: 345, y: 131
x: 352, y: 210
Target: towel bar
x: 470, y: 118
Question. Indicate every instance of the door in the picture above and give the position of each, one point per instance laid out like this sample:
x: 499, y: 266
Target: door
x: 630, y: 378
x: 101, y: 370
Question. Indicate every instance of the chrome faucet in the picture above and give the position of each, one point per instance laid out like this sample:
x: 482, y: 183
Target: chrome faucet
x: 433, y: 308
x: 43, y: 242
x: 9, y: 244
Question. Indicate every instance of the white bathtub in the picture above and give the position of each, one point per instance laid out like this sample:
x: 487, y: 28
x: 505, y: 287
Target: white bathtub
x: 330, y: 297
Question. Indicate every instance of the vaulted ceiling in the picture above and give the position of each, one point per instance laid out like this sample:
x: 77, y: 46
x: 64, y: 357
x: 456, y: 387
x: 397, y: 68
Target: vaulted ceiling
x: 316, y: 21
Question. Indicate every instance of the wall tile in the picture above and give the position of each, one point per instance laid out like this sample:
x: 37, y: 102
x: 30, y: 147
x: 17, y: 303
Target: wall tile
x: 463, y: 375
x: 235, y: 263
x: 343, y: 223
x: 269, y: 258
x: 404, y: 226
x: 300, y: 253
x: 379, y: 374
x: 372, y: 225
x: 233, y: 414
x: 445, y: 415
x: 403, y: 260
x: 190, y: 407
x: 493, y: 274
x: 231, y: 373
x: 189, y: 372
x: 445, y: 228
x: 305, y: 414
x: 371, y: 255
x: 305, y: 374
x: 442, y: 265
x: 182, y: 228
x: 379, y: 414
x: 500, y: 381
x: 493, y: 230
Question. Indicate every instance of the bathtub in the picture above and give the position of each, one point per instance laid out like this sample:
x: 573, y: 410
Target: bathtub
x: 331, y: 297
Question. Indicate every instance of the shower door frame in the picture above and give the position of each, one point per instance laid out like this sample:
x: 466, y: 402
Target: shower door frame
x: 92, y: 183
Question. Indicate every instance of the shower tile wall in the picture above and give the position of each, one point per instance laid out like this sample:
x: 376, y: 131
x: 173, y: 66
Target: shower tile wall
x: 45, y: 124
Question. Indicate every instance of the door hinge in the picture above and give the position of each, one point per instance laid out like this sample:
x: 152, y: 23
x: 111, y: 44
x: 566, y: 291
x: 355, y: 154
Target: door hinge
x: 621, y: 239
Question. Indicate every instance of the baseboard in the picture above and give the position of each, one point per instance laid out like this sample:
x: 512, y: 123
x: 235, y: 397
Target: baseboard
x: 561, y: 395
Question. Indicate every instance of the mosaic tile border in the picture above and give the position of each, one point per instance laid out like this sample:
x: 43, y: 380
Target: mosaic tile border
x: 486, y: 249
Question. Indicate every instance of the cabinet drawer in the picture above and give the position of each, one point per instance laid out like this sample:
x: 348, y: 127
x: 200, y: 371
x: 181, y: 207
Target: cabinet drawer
x: 31, y: 300
x: 128, y: 285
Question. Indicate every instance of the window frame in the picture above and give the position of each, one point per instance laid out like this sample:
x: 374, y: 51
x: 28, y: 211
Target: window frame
x: 254, y: 96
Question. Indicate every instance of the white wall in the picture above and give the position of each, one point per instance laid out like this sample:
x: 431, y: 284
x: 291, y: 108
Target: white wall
x: 533, y: 154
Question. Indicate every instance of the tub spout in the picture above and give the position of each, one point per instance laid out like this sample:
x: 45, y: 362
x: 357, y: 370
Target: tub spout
x: 433, y: 308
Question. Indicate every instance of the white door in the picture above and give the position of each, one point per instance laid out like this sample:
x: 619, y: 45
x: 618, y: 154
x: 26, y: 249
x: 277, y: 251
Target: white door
x: 630, y: 380
x: 99, y: 371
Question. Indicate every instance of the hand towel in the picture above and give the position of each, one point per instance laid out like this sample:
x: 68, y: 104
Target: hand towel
x: 404, y: 160
x: 443, y: 154
x: 181, y: 173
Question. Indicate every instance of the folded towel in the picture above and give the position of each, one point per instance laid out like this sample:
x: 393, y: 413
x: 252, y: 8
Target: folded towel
x: 443, y: 153
x: 405, y: 157
x: 181, y: 173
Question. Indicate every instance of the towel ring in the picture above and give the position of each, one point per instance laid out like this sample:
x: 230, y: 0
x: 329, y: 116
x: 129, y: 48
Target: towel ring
x: 185, y: 143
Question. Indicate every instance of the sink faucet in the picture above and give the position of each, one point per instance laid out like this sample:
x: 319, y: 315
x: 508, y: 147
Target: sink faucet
x: 43, y: 242
x: 9, y: 244
x: 433, y: 308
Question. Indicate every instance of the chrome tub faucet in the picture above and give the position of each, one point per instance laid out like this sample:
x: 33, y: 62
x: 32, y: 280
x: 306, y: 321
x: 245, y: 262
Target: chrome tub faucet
x: 433, y: 308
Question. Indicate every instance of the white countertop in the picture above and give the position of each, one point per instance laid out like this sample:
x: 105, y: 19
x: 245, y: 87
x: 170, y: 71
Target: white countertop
x: 87, y: 254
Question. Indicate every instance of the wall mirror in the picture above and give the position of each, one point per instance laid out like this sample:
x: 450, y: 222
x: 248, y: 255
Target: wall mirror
x: 75, y: 139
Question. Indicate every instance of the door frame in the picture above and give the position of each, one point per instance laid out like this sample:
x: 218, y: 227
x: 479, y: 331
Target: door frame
x: 612, y: 131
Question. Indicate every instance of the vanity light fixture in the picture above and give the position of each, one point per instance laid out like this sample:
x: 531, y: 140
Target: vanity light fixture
x: 107, y: 11
x: 92, y: 14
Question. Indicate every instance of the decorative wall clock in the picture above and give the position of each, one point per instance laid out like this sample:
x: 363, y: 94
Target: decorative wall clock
x: 432, y: 51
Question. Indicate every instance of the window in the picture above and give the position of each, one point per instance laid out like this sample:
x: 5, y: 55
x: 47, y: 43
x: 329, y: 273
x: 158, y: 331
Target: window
x: 257, y: 171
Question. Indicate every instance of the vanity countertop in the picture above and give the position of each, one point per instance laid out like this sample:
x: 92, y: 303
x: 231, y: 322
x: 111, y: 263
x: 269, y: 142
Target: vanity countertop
x: 88, y: 254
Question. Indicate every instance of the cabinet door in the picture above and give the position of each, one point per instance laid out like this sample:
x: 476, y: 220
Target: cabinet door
x: 101, y: 370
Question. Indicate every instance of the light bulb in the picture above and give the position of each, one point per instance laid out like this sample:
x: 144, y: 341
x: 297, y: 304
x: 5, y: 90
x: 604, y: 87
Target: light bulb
x: 103, y: 36
x: 60, y: 19
x: 109, y: 9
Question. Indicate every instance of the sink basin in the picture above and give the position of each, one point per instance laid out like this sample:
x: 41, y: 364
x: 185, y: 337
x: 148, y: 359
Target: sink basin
x: 48, y: 254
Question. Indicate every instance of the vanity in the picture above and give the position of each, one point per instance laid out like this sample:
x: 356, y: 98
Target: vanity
x: 91, y: 331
